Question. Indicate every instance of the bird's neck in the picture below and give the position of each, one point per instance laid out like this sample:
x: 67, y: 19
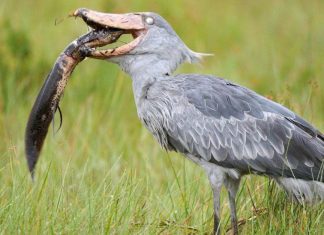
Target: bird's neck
x: 141, y: 85
x: 144, y: 71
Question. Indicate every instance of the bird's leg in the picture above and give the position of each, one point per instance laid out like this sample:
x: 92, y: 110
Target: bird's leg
x: 233, y: 213
x: 216, y: 181
x: 232, y: 186
x: 216, y: 199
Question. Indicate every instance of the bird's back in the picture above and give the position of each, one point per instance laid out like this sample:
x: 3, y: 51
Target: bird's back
x: 231, y: 126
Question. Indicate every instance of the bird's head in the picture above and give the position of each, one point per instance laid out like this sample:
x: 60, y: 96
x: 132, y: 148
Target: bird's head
x: 155, y: 48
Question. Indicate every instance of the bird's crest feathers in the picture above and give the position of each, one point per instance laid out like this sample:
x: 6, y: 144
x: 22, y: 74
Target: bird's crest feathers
x: 196, y: 57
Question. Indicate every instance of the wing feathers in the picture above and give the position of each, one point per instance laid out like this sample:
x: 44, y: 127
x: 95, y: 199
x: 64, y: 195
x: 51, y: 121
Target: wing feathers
x: 234, y: 127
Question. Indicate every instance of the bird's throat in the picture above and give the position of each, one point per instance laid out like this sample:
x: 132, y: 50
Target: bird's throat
x: 141, y: 86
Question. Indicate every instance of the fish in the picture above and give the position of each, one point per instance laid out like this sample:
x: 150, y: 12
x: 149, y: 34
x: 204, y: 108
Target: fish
x: 48, y: 98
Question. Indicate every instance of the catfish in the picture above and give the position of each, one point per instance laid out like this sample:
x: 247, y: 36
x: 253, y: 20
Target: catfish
x: 48, y: 98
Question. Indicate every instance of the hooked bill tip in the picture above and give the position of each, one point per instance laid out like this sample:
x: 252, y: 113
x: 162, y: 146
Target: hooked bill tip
x: 80, y: 12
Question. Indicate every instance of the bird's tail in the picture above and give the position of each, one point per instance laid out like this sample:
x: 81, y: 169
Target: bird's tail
x: 303, y: 190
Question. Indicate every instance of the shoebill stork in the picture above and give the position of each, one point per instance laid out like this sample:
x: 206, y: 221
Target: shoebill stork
x: 228, y: 130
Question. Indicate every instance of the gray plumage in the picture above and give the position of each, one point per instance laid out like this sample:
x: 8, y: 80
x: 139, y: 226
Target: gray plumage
x: 232, y: 131
x: 231, y: 126
x: 227, y: 129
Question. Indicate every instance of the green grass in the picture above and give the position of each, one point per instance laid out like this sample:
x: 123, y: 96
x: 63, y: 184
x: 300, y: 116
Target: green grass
x: 103, y: 173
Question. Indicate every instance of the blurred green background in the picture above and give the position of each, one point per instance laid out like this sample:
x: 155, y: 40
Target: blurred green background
x: 103, y: 173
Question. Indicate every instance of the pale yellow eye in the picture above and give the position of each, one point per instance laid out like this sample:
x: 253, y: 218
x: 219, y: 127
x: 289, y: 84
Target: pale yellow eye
x: 149, y: 20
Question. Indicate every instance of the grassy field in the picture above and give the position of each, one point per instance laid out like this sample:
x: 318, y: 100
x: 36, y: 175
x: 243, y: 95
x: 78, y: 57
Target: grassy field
x: 103, y: 173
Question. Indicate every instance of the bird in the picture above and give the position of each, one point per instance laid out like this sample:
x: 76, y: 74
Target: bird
x: 227, y: 129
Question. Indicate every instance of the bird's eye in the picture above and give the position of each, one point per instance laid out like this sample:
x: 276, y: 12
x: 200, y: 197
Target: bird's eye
x: 149, y: 20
